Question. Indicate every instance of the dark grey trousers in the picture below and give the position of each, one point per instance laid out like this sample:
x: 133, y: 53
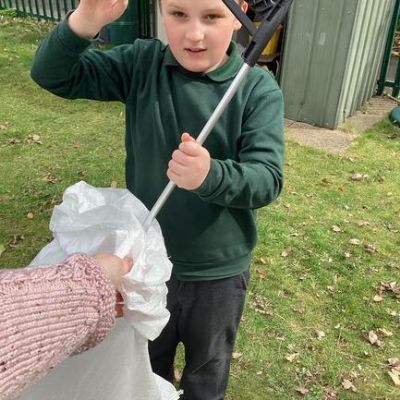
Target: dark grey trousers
x: 205, y: 316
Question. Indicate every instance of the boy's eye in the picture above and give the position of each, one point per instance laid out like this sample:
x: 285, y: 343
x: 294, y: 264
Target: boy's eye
x: 212, y: 17
x: 177, y: 14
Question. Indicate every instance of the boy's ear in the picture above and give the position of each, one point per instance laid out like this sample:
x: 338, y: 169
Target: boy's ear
x: 244, y: 8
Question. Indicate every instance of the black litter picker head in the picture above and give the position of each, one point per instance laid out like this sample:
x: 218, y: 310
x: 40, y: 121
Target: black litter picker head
x: 270, y: 12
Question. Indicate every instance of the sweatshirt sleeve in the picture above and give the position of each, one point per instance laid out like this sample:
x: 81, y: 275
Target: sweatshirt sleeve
x: 48, y: 314
x: 255, y: 179
x: 66, y: 66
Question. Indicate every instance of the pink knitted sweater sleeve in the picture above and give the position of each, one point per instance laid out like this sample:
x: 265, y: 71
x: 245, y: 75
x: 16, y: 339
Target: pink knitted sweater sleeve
x: 47, y: 314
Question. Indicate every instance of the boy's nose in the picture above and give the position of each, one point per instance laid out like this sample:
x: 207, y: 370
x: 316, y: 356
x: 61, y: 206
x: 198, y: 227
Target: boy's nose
x: 195, y: 33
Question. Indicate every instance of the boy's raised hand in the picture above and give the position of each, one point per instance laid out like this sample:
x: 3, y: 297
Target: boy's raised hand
x: 189, y: 165
x: 91, y: 15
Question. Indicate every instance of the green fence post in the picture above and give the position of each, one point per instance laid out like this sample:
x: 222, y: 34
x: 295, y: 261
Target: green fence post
x: 388, y: 49
x: 132, y: 24
x: 126, y: 28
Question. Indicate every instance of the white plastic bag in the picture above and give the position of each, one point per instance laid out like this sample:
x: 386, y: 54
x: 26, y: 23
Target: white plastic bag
x: 93, y: 220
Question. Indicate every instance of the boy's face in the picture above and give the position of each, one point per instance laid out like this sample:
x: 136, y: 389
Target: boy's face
x: 199, y: 32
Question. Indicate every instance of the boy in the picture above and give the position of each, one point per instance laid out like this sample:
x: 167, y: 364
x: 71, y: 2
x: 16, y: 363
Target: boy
x: 208, y: 222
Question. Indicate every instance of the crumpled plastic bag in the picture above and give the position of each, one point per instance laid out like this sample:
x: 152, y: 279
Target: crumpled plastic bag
x: 95, y: 220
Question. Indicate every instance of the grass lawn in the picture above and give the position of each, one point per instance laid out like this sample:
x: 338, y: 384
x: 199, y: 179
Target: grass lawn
x: 323, y: 311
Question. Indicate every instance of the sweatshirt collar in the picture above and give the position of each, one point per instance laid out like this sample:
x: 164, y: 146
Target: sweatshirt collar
x: 227, y: 71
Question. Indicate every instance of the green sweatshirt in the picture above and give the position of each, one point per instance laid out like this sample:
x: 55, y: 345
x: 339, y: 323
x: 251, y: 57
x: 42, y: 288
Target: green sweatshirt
x: 209, y: 232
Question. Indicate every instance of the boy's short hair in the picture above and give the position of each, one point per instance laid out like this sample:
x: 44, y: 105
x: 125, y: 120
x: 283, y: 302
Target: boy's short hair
x: 240, y: 2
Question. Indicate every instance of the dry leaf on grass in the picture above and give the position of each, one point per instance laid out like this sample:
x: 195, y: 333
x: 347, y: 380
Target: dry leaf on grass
x: 348, y: 385
x: 302, y: 390
x: 320, y: 335
x: 260, y: 273
x: 16, y: 240
x: 287, y: 253
x: 394, y: 362
x: 385, y: 332
x: 237, y: 355
x: 362, y: 223
x: 5, y: 125
x: 291, y: 357
x: 34, y: 138
x: 357, y: 177
x: 395, y: 375
x: 373, y: 339
x: 370, y: 248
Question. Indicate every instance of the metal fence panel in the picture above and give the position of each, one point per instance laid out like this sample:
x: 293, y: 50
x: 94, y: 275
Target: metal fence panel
x: 137, y: 21
x: 54, y: 10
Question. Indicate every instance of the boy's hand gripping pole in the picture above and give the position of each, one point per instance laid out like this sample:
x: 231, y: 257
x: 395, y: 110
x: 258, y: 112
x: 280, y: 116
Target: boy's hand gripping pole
x: 272, y: 13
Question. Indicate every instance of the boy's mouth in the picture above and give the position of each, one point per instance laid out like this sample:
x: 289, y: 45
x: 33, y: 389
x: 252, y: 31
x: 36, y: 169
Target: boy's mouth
x: 194, y: 50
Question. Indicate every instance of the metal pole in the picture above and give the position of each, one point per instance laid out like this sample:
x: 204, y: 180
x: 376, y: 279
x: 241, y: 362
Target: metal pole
x: 396, y: 86
x: 201, y: 138
x: 388, y: 49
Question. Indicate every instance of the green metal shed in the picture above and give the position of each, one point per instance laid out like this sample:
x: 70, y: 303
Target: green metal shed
x: 332, y: 55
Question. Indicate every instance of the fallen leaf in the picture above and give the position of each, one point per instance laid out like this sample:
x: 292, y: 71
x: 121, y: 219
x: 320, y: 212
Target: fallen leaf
x: 299, y: 310
x: 391, y: 228
x: 259, y: 373
x: 355, y: 242
x: 260, y: 273
x: 76, y: 146
x: 336, y: 228
x: 348, y: 385
x: 395, y: 375
x: 372, y: 337
x: 291, y: 357
x: 261, y: 305
x: 362, y: 223
x: 29, y: 215
x: 114, y: 184
x: 5, y: 125
x: 262, y: 260
x: 16, y: 240
x: 378, y: 298
x: 302, y: 390
x: 49, y: 178
x: 356, y: 177
x: 34, y: 138
x: 385, y: 332
x: 287, y: 253
x: 370, y: 248
x: 320, y: 335
x: 394, y: 362
x: 236, y: 356
x: 14, y: 141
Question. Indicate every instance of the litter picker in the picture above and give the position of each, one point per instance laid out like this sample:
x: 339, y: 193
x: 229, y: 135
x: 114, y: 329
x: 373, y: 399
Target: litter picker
x: 271, y: 13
